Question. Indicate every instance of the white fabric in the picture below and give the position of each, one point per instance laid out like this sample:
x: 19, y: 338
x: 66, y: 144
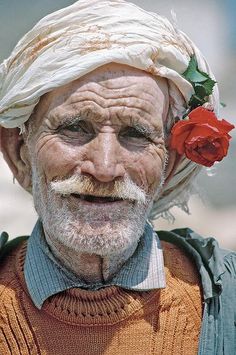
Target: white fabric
x: 73, y: 41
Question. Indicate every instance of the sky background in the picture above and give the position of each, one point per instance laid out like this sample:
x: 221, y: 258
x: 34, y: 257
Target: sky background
x: 211, y: 25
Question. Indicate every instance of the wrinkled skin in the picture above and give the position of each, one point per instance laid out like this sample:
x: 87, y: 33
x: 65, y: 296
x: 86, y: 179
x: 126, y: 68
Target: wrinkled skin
x: 119, y: 133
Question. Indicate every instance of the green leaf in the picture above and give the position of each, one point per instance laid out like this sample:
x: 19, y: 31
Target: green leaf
x: 192, y: 73
x: 200, y: 90
x: 209, y: 85
x: 202, y: 83
x: 196, y: 101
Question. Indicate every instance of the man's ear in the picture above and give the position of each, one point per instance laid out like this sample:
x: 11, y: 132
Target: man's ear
x: 16, y: 154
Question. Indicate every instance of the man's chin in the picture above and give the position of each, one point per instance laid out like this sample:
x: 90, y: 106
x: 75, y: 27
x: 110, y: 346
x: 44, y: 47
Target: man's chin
x: 101, y: 238
x: 106, y: 230
x: 102, y: 226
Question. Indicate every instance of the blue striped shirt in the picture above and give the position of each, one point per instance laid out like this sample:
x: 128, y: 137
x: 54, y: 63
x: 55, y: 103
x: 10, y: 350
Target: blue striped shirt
x: 45, y: 276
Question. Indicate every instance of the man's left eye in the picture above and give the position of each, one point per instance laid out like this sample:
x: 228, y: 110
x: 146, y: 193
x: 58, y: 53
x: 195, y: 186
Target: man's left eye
x: 132, y: 132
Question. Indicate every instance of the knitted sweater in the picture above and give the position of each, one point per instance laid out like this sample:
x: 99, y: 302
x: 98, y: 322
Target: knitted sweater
x: 110, y: 321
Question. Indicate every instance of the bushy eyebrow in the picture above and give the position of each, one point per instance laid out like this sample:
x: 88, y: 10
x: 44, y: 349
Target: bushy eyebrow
x: 145, y: 129
x: 70, y: 120
x: 140, y: 127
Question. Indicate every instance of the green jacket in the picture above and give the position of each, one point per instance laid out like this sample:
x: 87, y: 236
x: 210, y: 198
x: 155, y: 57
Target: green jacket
x: 217, y: 268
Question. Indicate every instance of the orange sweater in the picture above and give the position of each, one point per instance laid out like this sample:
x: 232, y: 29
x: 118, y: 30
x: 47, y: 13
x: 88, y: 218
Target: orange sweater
x: 110, y: 321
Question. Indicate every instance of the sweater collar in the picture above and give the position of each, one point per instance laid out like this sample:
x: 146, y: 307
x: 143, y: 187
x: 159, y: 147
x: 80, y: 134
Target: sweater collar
x: 45, y: 276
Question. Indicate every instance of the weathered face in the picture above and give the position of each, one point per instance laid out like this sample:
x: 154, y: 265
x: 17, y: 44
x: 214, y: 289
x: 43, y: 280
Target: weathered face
x: 106, y: 128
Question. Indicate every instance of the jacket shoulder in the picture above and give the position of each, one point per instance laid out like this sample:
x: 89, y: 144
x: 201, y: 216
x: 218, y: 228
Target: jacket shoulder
x: 6, y: 246
x: 216, y: 266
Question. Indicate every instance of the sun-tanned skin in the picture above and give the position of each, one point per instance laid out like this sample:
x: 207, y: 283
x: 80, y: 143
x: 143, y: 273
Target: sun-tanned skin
x: 110, y: 101
x: 106, y: 125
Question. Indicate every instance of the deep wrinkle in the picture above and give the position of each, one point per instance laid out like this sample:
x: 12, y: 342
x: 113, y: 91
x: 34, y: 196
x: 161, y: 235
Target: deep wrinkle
x: 66, y: 121
x: 87, y: 114
x: 69, y: 122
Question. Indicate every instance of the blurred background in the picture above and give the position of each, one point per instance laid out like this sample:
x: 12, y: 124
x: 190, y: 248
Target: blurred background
x: 211, y: 25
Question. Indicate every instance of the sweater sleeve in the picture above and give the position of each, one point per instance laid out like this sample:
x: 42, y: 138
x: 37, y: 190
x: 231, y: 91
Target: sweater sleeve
x: 16, y: 337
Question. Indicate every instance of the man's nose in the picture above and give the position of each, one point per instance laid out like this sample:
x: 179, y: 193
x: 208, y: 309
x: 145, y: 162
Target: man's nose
x: 103, y: 159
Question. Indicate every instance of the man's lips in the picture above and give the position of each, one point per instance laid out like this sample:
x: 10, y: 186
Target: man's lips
x: 97, y: 199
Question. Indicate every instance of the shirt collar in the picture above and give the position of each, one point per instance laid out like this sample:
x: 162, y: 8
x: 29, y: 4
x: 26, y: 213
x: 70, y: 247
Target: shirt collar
x: 45, y: 276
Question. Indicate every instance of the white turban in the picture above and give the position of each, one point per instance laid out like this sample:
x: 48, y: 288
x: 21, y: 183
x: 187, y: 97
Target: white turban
x: 73, y: 41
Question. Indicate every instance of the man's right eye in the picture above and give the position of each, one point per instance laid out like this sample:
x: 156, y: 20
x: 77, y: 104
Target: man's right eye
x: 80, y: 127
x: 81, y: 130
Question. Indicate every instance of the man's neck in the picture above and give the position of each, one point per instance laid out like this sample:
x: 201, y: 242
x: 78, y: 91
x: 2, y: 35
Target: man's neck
x: 90, y: 268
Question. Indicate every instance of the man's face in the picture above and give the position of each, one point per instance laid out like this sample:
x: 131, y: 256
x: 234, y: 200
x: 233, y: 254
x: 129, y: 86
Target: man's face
x: 103, y: 132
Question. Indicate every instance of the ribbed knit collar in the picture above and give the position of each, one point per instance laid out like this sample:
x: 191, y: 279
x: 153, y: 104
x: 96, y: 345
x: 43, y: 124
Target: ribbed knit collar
x: 46, y: 277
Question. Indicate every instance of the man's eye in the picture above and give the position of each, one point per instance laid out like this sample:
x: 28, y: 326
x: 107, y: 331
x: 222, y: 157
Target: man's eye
x: 133, y: 133
x: 77, y: 127
x: 81, y: 132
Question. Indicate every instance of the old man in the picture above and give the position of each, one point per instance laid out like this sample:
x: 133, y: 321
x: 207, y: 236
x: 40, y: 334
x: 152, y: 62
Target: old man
x: 108, y: 112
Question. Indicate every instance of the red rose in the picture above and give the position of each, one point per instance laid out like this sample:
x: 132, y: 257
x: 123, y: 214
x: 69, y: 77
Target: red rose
x: 202, y: 137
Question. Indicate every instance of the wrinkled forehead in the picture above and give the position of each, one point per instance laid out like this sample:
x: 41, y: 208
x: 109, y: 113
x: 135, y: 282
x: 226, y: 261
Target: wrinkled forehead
x: 66, y: 45
x: 109, y: 85
x: 69, y: 43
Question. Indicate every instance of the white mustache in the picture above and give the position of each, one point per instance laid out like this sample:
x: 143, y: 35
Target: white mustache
x: 124, y: 189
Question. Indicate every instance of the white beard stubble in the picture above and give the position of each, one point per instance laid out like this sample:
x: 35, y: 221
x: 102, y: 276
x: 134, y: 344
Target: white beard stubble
x: 84, y: 230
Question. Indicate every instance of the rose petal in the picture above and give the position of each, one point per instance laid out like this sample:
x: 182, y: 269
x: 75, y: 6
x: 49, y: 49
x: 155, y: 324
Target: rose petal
x: 203, y: 131
x: 193, y: 155
x: 226, y: 126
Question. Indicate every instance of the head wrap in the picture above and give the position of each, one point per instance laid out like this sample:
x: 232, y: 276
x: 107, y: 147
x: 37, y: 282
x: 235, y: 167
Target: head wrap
x: 73, y: 41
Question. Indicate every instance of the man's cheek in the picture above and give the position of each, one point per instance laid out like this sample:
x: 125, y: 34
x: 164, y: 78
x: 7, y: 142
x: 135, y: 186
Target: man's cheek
x: 148, y: 171
x: 57, y: 162
x: 139, y: 174
x: 155, y: 166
